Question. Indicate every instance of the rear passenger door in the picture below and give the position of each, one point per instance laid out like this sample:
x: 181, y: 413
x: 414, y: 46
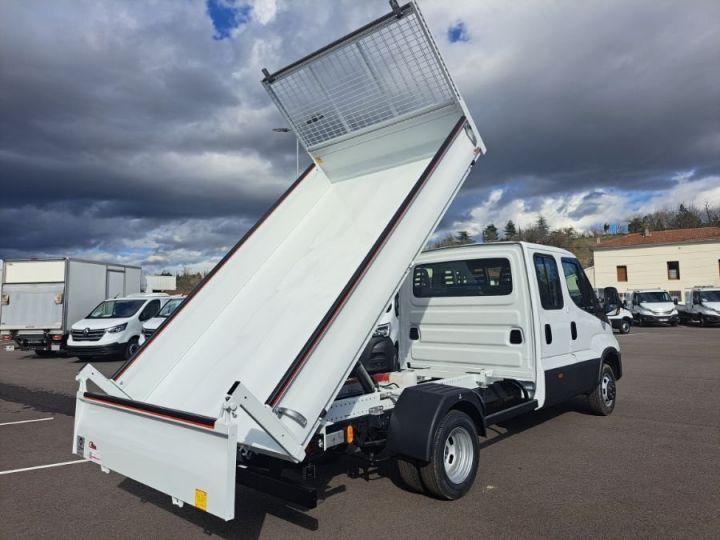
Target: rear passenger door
x: 555, y: 348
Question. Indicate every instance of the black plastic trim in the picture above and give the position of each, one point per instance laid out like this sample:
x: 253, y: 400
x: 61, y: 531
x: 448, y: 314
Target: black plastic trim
x: 156, y: 410
x: 299, y: 494
x: 510, y: 412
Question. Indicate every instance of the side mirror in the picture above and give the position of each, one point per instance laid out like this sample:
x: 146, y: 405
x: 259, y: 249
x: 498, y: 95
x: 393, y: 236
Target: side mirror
x: 675, y: 301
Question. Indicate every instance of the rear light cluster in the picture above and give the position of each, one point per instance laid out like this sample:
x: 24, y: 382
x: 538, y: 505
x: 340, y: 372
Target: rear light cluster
x: 6, y: 337
x: 59, y: 298
x: 56, y: 337
x: 4, y: 299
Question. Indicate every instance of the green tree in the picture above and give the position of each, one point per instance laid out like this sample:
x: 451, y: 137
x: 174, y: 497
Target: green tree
x: 463, y: 237
x: 543, y: 229
x: 636, y: 225
x: 490, y: 233
x: 510, y: 232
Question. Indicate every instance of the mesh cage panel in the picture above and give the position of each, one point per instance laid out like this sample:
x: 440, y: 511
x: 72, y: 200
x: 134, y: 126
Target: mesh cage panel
x: 388, y: 73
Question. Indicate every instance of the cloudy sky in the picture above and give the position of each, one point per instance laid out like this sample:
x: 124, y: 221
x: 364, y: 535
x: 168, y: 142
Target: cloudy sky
x: 140, y: 131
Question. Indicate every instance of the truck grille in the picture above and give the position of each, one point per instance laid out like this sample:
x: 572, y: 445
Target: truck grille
x: 91, y: 335
x: 147, y: 333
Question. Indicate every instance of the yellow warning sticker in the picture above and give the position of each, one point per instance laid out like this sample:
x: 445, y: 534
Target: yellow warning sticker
x: 201, y: 499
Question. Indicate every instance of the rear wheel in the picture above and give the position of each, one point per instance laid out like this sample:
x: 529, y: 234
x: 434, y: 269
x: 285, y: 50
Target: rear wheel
x: 625, y: 326
x: 131, y: 348
x: 454, y: 457
x: 602, y: 398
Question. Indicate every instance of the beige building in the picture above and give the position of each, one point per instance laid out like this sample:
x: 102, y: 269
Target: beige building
x: 672, y: 260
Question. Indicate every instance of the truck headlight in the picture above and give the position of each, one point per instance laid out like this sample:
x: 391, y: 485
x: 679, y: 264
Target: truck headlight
x: 116, y: 329
x: 382, y: 330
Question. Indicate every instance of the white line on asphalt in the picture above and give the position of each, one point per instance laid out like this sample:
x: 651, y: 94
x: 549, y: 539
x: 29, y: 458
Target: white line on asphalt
x: 26, y: 421
x: 44, y: 466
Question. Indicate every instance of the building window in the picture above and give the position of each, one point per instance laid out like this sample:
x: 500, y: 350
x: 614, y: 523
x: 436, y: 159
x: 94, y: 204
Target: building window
x: 673, y: 269
x: 622, y: 273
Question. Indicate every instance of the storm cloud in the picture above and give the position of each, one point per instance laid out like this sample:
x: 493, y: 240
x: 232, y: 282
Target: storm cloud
x: 141, y: 132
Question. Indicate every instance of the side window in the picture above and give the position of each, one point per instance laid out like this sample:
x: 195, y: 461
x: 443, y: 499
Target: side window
x: 577, y: 284
x: 548, y: 281
x: 150, y: 310
x: 476, y: 277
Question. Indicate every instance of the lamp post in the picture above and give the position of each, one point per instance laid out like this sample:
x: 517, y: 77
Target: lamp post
x: 297, y: 148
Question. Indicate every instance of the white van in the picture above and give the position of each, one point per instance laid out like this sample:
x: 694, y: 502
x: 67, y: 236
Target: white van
x: 702, y: 305
x: 652, y: 306
x: 114, y: 326
x: 149, y: 328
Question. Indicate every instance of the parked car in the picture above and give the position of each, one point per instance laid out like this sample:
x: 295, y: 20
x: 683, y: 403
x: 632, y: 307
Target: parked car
x: 114, y: 327
x: 41, y: 298
x: 149, y: 328
x: 652, y: 306
x: 702, y: 305
x: 620, y: 317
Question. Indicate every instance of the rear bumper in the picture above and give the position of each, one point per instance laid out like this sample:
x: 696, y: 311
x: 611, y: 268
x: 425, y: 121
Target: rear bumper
x: 32, y: 342
x: 98, y: 350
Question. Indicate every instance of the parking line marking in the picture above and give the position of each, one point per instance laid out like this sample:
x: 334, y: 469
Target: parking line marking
x: 44, y: 466
x: 26, y: 421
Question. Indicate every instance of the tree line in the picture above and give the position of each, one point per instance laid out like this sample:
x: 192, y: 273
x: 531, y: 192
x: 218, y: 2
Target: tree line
x: 684, y: 217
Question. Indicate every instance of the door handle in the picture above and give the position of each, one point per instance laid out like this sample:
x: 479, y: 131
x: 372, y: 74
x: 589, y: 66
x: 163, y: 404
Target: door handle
x: 414, y: 334
x: 548, y: 334
x: 573, y: 330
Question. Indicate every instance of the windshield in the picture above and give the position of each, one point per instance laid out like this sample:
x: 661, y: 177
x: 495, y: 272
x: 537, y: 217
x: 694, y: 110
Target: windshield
x: 710, y: 296
x: 168, y: 308
x: 660, y: 296
x: 116, y: 309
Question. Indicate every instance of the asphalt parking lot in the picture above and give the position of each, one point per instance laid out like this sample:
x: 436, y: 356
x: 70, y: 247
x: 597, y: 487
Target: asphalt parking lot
x: 649, y: 470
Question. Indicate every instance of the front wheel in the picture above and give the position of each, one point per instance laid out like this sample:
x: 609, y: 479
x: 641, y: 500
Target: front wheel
x: 625, y: 326
x: 602, y: 398
x: 454, y: 457
x: 131, y: 348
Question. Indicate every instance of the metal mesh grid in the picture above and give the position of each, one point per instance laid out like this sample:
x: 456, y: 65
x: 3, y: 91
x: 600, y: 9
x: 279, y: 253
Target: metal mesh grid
x: 388, y: 73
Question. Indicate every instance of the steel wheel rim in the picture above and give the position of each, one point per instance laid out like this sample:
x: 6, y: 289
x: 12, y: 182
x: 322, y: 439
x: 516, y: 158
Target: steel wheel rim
x: 608, y: 390
x: 132, y: 349
x: 458, y: 455
x: 625, y: 326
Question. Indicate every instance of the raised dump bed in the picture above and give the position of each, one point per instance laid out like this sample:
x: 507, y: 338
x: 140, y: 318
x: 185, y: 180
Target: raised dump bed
x: 277, y: 327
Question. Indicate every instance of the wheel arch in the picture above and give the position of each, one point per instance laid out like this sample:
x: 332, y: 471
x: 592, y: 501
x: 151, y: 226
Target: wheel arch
x: 418, y: 412
x: 612, y: 357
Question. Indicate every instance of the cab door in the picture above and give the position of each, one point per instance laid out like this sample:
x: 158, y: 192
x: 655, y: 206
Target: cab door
x: 555, y: 348
x: 584, y: 312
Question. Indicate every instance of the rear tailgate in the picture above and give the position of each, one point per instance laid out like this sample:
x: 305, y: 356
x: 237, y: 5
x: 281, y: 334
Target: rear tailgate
x: 189, y: 457
x: 32, y: 306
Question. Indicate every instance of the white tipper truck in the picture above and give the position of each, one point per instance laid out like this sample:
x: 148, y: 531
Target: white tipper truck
x: 702, y: 306
x: 243, y: 383
x: 42, y: 298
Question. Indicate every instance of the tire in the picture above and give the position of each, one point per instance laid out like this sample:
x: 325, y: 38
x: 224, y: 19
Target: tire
x: 453, y: 459
x: 641, y: 322
x: 603, y: 398
x: 673, y: 323
x: 131, y: 348
x: 703, y: 322
x: 625, y: 326
x: 409, y: 475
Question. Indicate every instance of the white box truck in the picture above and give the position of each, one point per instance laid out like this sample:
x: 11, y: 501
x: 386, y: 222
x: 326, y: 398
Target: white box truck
x: 41, y: 299
x: 244, y: 381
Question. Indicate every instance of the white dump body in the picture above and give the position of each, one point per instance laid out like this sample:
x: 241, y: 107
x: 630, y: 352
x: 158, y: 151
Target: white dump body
x: 288, y: 312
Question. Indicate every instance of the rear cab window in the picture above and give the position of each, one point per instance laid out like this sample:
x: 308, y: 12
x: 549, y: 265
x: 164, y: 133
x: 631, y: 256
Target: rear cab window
x: 474, y: 277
